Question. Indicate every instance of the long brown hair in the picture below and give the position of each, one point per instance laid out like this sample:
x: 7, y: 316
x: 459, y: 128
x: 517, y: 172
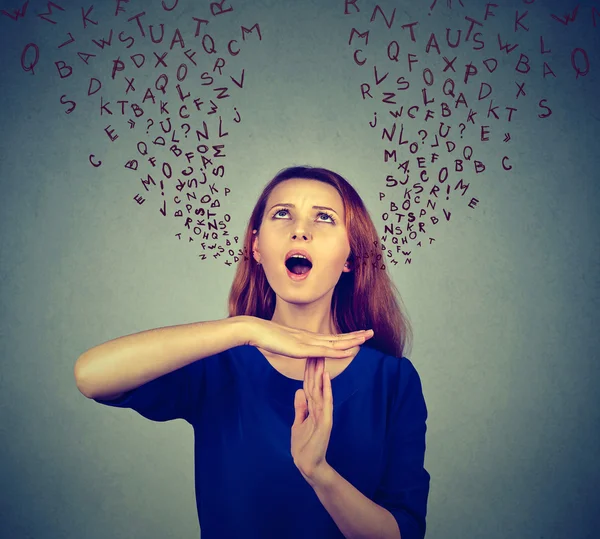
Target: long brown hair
x: 363, y: 298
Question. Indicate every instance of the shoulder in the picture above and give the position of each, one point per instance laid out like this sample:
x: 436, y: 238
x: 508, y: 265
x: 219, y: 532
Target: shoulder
x: 398, y: 375
x: 393, y: 366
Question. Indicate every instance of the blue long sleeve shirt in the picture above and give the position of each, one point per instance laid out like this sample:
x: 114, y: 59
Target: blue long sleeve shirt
x: 242, y: 410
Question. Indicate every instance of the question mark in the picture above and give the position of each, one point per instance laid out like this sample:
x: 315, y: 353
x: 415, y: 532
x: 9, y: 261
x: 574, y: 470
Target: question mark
x: 189, y: 127
x: 463, y: 129
x: 424, y: 136
x: 150, y: 124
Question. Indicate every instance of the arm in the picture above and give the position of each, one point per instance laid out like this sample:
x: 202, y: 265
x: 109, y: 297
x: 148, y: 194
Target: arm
x: 404, y: 487
x: 354, y: 514
x: 117, y: 366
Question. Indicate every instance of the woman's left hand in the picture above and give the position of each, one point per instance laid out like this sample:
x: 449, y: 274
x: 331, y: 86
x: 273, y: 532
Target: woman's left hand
x: 313, y: 421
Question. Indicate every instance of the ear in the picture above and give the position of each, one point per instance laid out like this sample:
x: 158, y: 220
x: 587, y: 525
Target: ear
x: 255, y: 253
x: 348, y: 266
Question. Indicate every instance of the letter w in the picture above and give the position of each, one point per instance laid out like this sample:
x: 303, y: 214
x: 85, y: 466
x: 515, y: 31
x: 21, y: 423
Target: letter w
x: 568, y: 17
x: 102, y: 43
x: 17, y: 13
x: 506, y: 46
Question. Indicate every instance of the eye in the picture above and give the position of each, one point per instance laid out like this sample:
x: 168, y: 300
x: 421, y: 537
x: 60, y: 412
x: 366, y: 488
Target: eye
x: 328, y: 215
x: 318, y: 215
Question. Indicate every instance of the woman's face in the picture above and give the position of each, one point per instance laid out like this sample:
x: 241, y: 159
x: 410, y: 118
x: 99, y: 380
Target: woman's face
x: 321, y: 232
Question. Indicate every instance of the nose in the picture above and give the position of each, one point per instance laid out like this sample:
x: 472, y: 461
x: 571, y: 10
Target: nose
x: 301, y: 231
x: 304, y: 236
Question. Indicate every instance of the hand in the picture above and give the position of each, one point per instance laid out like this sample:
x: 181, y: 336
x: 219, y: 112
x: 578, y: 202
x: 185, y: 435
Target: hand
x: 300, y: 344
x: 313, y: 420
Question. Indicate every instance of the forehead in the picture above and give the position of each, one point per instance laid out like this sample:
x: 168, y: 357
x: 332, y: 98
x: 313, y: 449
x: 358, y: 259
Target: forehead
x: 312, y: 192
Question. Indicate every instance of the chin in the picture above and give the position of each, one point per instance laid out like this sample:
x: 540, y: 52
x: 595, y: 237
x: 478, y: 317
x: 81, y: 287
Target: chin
x: 303, y: 292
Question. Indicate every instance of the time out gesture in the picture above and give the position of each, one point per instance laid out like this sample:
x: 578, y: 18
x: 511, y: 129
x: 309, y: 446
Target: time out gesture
x: 313, y: 404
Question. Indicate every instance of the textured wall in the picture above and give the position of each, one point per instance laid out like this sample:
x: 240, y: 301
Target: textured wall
x: 499, y: 271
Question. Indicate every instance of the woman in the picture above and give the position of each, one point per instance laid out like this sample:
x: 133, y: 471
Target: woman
x: 299, y: 430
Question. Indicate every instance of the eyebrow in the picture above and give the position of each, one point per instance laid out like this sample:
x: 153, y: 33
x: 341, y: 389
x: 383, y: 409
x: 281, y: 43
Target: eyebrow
x: 287, y: 205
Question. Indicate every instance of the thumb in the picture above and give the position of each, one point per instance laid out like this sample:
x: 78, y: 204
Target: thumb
x: 301, y: 407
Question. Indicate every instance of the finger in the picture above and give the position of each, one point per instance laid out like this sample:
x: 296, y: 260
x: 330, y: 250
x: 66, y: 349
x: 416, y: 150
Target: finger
x: 327, y: 397
x: 334, y: 346
x: 300, y: 408
x: 321, y: 351
x: 319, y: 381
x: 358, y: 332
x: 340, y: 336
x: 346, y: 343
x: 344, y: 336
x: 315, y: 381
x: 339, y: 351
x: 307, y: 383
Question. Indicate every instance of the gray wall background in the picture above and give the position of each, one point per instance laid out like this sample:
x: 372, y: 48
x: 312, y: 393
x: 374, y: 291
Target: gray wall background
x: 504, y: 302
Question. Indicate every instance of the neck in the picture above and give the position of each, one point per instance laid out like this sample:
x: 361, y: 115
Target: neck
x: 315, y: 317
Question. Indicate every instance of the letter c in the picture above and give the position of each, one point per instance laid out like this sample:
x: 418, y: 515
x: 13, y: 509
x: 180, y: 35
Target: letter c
x: 92, y: 156
x: 356, y: 60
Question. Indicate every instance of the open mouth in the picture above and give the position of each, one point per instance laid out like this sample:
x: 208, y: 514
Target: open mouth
x: 298, y: 265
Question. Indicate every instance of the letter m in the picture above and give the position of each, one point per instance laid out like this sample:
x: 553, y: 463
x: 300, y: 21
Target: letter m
x: 364, y: 36
x: 246, y: 31
x: 387, y: 155
x: 46, y: 15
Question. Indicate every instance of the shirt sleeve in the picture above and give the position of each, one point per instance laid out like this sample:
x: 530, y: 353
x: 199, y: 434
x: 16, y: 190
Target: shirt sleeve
x: 404, y: 488
x: 175, y: 395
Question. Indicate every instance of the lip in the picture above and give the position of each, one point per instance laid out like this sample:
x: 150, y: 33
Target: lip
x: 297, y: 252
x: 293, y: 276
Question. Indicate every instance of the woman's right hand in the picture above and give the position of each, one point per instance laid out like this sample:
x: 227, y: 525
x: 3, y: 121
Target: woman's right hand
x: 300, y: 343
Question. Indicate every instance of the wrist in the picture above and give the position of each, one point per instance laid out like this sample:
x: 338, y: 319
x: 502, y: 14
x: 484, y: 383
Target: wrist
x: 244, y: 329
x: 320, y: 477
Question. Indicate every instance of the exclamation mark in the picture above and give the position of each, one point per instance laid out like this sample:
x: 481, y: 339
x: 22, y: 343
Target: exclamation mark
x: 163, y: 210
x: 448, y: 192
